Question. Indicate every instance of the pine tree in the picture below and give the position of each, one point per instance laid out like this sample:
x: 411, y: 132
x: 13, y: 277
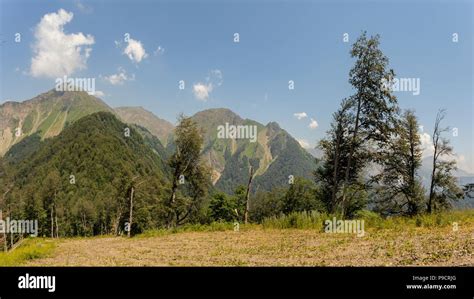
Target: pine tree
x: 373, y: 105
x: 401, y: 190
x: 330, y: 175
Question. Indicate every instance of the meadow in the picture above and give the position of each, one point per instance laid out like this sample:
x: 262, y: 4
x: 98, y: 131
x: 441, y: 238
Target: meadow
x: 298, y: 239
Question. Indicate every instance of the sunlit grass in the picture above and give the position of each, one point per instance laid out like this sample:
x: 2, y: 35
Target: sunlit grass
x: 30, y: 249
x: 212, y: 227
x: 315, y: 220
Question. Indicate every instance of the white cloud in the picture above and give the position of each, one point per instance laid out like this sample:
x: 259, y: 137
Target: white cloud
x: 304, y: 143
x: 462, y: 162
x: 119, y: 78
x: 135, y: 50
x: 465, y: 163
x: 56, y: 53
x: 98, y: 93
x: 201, y: 91
x: 159, y: 50
x: 83, y: 8
x: 300, y: 115
x: 313, y: 124
x: 426, y: 145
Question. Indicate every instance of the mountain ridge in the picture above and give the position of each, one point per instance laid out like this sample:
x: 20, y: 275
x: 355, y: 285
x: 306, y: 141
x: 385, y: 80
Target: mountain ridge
x: 274, y: 149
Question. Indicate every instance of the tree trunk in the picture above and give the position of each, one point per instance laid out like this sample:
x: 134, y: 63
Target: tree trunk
x: 430, y: 199
x: 116, y: 224
x: 57, y: 226
x: 247, y: 196
x: 130, y: 219
x: 435, y: 162
x: 174, y: 187
x: 351, y: 153
x: 336, y: 165
x: 52, y: 222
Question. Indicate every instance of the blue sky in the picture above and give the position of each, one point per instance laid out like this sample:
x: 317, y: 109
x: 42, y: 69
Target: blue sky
x: 279, y: 41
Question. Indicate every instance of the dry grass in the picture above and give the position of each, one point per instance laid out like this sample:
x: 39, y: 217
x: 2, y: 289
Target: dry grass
x: 256, y: 246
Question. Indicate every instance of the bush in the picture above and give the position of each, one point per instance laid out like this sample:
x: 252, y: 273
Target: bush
x: 371, y: 218
x: 300, y: 220
x: 222, y: 208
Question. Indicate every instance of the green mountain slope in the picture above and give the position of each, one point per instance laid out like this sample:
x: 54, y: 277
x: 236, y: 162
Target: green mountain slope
x: 84, y: 175
x: 46, y: 115
x: 274, y: 156
x: 142, y: 117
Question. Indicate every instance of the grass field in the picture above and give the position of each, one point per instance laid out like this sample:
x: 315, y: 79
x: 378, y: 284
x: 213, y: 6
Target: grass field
x: 429, y: 241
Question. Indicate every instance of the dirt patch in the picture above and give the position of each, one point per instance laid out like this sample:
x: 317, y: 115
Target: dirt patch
x: 271, y: 247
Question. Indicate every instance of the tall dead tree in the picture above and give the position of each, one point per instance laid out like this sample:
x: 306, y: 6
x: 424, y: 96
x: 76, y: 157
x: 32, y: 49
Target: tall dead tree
x: 443, y: 187
x: 132, y: 193
x: 247, y: 196
x: 130, y: 218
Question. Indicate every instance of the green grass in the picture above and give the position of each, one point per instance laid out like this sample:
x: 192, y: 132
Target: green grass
x: 315, y: 220
x: 301, y: 220
x: 30, y: 249
x: 212, y: 227
x: 442, y: 219
x: 28, y: 123
x: 34, y: 248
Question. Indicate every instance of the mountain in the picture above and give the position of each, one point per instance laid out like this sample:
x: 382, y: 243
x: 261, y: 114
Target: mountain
x: 45, y: 115
x: 427, y: 167
x: 49, y: 113
x: 89, y: 167
x: 144, y: 118
x: 274, y: 154
x: 315, y: 152
x: 462, y: 176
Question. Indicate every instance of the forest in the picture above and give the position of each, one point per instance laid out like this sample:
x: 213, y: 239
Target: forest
x: 101, y: 176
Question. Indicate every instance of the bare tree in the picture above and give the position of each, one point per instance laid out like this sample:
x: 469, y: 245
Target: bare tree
x: 247, y: 196
x: 443, y: 186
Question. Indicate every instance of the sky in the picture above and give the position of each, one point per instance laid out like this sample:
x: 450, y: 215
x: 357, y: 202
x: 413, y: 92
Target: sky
x: 139, y: 51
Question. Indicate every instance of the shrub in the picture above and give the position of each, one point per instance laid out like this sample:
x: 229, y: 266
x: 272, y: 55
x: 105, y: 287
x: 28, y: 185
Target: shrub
x: 301, y: 220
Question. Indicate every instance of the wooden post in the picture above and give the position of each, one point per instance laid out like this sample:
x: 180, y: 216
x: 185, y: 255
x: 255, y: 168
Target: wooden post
x: 247, y: 195
x: 131, y: 213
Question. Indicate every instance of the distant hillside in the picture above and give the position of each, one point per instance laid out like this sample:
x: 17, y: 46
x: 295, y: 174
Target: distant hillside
x: 274, y: 156
x: 102, y: 161
x: 315, y: 152
x: 45, y: 115
x: 142, y: 117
